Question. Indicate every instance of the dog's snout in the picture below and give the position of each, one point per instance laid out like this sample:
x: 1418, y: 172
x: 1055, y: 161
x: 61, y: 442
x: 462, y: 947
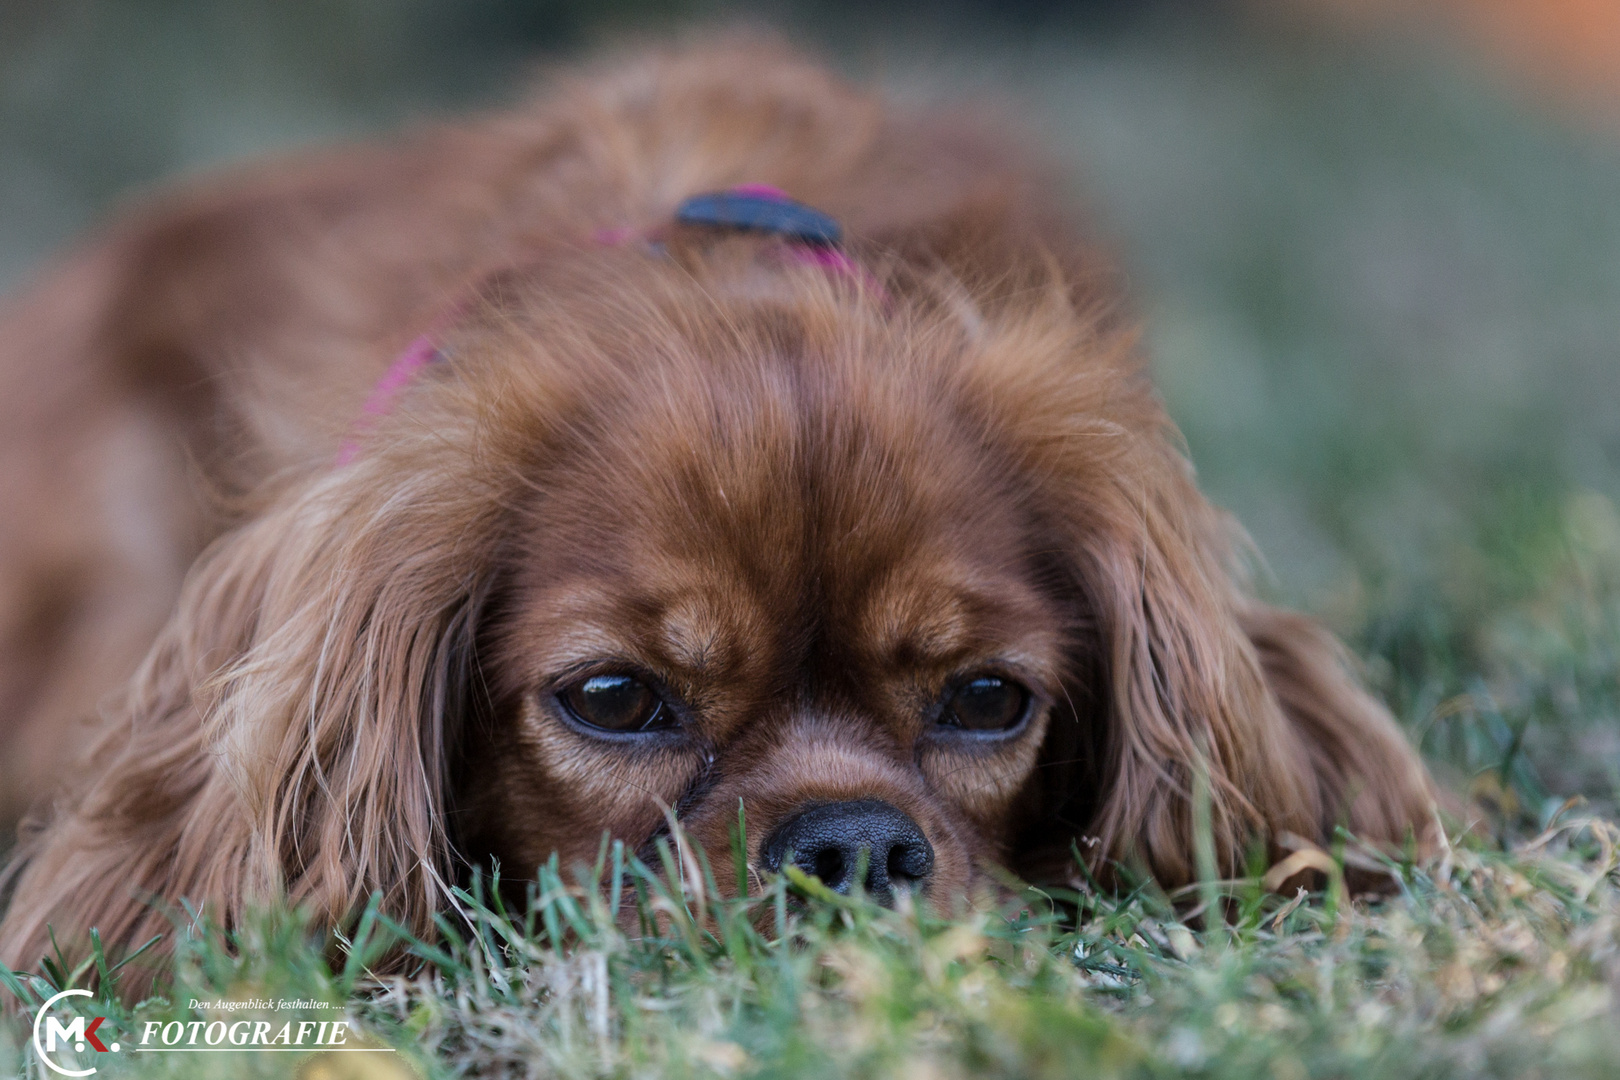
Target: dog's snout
x: 827, y: 841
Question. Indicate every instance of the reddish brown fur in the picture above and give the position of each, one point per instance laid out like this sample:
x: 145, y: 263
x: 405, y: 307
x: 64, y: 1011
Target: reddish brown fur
x: 802, y: 504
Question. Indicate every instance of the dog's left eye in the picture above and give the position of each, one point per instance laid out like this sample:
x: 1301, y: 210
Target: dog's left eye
x: 620, y: 703
x: 986, y: 703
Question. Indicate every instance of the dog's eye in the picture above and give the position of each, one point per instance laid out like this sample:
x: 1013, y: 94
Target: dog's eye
x: 615, y: 703
x: 986, y: 703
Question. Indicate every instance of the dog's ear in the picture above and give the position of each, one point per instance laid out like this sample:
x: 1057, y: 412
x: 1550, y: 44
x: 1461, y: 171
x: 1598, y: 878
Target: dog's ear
x: 1200, y: 685
x: 1178, y: 679
x: 1370, y: 777
x: 1183, y: 699
x: 289, y: 733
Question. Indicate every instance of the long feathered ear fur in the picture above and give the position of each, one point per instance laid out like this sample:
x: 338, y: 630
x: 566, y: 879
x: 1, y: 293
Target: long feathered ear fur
x: 1178, y: 674
x: 1201, y: 679
x: 290, y: 733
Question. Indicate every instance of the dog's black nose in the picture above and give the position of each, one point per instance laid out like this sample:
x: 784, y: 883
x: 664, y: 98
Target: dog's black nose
x: 827, y: 841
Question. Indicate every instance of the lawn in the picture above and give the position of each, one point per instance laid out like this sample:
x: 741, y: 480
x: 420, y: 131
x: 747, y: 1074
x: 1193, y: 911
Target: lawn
x: 1382, y: 294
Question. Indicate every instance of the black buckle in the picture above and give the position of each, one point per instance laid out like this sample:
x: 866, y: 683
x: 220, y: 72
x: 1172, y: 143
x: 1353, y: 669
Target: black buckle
x: 755, y: 211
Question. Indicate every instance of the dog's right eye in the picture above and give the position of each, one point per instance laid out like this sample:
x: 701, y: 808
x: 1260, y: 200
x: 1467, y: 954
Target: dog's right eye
x: 986, y: 704
x: 620, y: 703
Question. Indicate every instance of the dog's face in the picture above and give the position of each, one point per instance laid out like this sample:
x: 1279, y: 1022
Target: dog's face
x: 791, y: 576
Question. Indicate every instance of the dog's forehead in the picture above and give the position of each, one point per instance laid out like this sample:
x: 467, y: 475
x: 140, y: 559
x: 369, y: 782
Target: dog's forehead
x: 777, y: 504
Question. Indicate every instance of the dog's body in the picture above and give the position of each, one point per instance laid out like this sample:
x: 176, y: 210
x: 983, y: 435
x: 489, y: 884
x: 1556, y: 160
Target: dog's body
x: 914, y: 543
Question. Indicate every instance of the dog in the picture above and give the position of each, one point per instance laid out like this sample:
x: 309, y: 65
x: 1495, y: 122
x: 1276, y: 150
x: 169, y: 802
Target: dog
x: 707, y: 436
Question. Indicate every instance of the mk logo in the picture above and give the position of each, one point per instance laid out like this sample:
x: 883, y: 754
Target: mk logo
x: 76, y: 1032
x: 54, y: 1039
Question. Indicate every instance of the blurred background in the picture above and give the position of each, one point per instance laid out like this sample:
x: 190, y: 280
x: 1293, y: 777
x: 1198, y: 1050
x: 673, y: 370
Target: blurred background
x: 1375, y: 245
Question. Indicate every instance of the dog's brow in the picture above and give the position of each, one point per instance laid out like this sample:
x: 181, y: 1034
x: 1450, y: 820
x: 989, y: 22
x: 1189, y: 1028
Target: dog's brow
x: 928, y: 624
x: 935, y: 639
x: 587, y: 610
x: 692, y: 633
x: 575, y: 599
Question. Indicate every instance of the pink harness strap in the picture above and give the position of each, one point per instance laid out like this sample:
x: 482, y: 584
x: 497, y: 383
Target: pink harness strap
x: 836, y: 262
x: 424, y: 349
x: 380, y: 402
x: 761, y: 191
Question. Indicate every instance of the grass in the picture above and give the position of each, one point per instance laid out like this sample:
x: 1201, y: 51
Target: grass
x: 1485, y: 963
x: 1383, y: 298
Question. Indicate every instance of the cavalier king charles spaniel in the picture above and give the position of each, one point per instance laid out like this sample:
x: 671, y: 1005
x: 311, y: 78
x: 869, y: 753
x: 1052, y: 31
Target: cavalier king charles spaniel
x: 707, y: 434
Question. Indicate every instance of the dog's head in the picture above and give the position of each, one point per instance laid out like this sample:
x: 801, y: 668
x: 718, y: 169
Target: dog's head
x: 913, y: 570
x: 780, y: 552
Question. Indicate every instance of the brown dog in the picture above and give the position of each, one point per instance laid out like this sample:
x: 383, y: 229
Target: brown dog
x: 891, y: 544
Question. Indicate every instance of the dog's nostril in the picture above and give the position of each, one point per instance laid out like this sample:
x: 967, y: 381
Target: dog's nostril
x: 829, y: 841
x: 911, y: 861
x: 830, y: 868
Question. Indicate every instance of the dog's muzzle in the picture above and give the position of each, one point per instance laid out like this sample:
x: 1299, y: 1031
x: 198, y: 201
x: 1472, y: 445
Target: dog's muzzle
x: 828, y: 840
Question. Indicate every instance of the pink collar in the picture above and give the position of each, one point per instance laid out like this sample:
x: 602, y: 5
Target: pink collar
x: 814, y: 239
x: 421, y: 352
